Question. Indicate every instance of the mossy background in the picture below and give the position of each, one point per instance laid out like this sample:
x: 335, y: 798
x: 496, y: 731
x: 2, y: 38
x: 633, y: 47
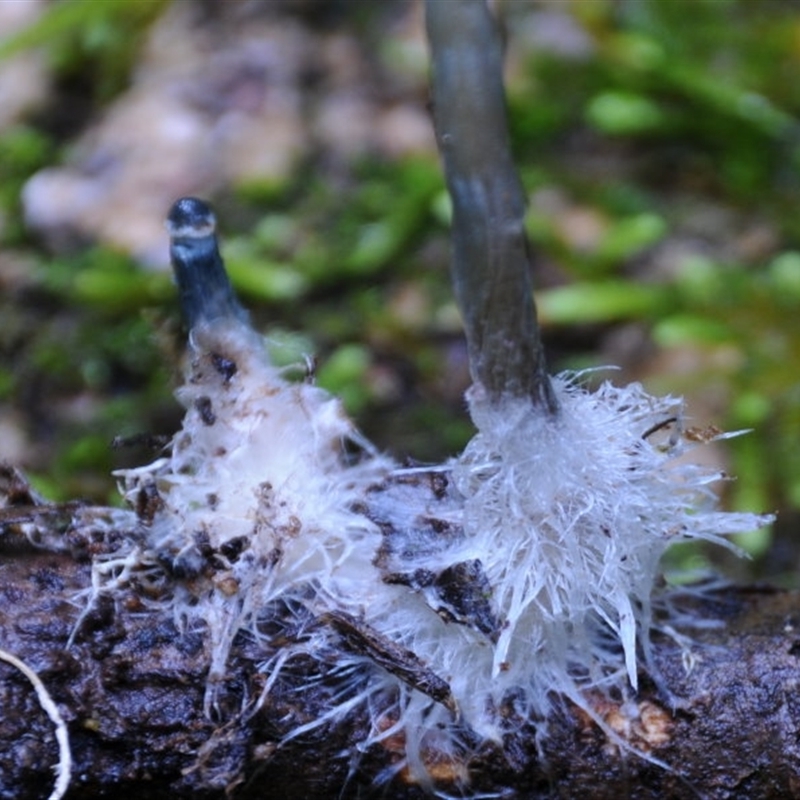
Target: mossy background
x: 660, y: 146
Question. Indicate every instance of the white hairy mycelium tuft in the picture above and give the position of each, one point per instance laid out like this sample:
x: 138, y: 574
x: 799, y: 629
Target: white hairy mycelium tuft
x: 521, y: 570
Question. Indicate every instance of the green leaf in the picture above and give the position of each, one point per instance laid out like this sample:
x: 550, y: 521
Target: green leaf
x: 606, y: 301
x: 621, y: 113
x: 343, y: 374
x: 629, y: 236
x: 116, y: 290
x: 77, y: 16
x: 681, y: 329
x: 264, y: 279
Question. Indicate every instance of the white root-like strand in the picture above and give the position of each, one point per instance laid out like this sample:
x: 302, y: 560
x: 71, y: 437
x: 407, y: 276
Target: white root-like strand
x: 64, y: 766
x: 527, y: 573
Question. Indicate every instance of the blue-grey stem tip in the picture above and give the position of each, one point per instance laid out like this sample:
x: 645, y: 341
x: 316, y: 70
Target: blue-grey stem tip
x: 190, y: 218
x: 205, y: 292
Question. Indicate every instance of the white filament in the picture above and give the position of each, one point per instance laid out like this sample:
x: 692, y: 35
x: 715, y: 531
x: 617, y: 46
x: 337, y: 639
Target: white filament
x: 568, y: 517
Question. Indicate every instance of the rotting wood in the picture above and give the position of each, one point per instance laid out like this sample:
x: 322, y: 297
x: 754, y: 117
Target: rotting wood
x: 131, y: 691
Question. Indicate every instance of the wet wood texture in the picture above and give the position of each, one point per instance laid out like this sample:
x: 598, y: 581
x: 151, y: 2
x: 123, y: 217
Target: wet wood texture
x: 131, y: 690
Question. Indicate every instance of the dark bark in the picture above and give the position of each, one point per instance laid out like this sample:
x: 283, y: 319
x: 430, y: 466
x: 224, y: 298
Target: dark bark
x: 131, y: 690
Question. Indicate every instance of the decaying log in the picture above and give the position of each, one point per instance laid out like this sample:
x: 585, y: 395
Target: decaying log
x: 131, y: 686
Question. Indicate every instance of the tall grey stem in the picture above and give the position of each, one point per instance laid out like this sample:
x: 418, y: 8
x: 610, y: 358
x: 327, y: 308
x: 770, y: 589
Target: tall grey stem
x: 491, y: 257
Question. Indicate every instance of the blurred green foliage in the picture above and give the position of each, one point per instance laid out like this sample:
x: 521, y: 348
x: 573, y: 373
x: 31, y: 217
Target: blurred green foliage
x: 660, y: 144
x: 93, y: 42
x: 693, y: 117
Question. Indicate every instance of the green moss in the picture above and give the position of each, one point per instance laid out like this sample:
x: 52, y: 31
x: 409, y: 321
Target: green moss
x: 76, y: 34
x: 605, y: 301
x: 625, y: 113
x: 7, y: 383
x: 342, y: 373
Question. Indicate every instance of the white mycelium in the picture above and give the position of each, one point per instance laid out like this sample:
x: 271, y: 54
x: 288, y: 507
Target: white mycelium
x: 552, y: 527
x: 255, y: 500
x: 452, y: 602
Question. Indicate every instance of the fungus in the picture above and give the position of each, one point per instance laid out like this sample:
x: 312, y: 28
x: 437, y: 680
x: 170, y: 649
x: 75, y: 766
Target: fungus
x: 458, y: 600
x: 453, y: 603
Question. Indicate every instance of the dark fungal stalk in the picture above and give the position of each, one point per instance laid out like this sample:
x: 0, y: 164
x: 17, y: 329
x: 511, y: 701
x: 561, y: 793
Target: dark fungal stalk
x: 206, y: 294
x: 491, y: 262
